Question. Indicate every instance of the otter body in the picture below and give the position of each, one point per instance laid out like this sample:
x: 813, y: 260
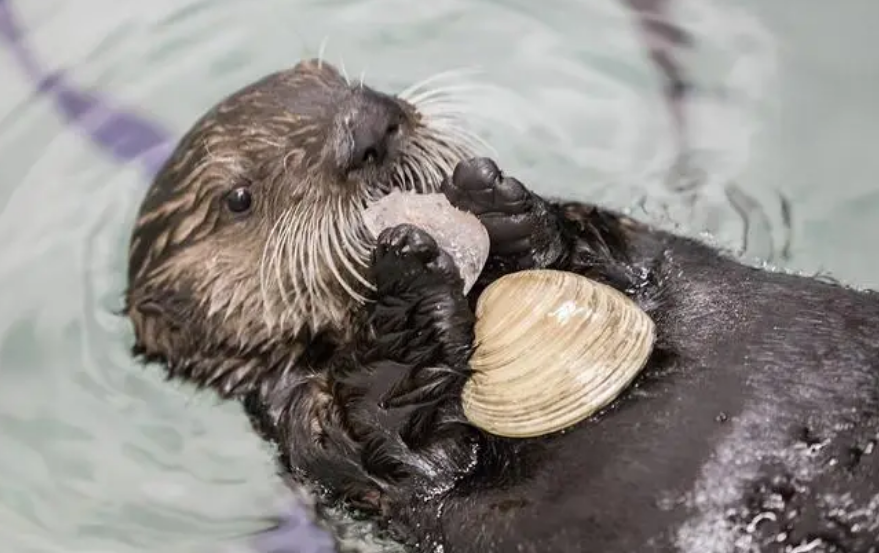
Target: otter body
x: 752, y: 429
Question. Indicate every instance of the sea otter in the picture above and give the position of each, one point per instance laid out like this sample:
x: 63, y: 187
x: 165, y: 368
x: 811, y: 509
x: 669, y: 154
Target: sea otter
x: 752, y: 429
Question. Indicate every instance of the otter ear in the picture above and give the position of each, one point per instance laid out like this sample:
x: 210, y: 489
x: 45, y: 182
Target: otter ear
x: 162, y: 321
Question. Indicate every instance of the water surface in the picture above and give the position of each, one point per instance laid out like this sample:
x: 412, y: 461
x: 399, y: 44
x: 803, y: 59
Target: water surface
x: 102, y: 456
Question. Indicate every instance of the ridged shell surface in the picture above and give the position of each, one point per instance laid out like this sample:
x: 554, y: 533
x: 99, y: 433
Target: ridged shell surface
x: 552, y: 348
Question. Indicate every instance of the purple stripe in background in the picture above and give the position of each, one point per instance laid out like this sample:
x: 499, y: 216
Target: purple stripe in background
x: 125, y: 135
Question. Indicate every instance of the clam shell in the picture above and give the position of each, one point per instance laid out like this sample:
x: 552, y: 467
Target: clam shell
x: 457, y: 232
x: 552, y: 348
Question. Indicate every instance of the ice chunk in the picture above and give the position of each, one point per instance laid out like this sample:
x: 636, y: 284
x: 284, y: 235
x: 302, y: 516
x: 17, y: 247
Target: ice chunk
x: 457, y: 232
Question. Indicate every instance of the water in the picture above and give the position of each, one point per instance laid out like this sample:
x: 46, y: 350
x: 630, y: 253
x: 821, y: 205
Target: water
x: 102, y: 456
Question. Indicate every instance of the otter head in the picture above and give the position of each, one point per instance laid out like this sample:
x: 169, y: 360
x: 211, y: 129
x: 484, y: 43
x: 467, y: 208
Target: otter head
x: 250, y: 242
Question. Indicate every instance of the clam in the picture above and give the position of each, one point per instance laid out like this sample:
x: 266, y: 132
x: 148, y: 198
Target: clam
x: 552, y: 347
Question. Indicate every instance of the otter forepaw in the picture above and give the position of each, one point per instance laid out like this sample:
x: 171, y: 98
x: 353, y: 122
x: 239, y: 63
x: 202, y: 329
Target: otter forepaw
x: 421, y: 315
x: 523, y: 231
x: 406, y: 254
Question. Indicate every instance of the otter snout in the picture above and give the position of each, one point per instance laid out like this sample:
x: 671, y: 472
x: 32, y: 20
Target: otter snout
x: 373, y: 123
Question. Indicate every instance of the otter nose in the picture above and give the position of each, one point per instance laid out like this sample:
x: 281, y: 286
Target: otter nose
x: 373, y: 129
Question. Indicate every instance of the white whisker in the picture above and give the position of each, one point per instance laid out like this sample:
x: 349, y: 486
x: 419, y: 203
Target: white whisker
x: 321, y: 50
x: 294, y: 257
x: 344, y: 71
x: 406, y: 93
x: 278, y: 269
x: 449, y: 133
x: 267, y: 260
x: 324, y: 227
x: 344, y: 249
x: 439, y: 93
x: 320, y: 288
x: 449, y: 110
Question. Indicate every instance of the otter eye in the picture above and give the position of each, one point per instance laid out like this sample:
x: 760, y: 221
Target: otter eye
x: 239, y: 200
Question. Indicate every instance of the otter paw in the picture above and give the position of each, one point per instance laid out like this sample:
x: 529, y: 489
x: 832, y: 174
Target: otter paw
x: 421, y: 316
x: 523, y: 231
x: 407, y: 255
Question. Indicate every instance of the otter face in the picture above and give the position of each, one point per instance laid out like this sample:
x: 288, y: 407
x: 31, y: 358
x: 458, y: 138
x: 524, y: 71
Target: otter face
x: 251, y: 236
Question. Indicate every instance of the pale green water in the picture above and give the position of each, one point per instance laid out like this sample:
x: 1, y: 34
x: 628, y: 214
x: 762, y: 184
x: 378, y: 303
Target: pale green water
x: 100, y: 456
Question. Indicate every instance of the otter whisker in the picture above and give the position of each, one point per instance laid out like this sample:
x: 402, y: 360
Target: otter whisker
x: 426, y: 172
x: 268, y: 260
x: 344, y: 71
x: 436, y: 156
x: 236, y: 299
x: 459, y: 102
x: 307, y: 257
x: 285, y: 257
x: 407, y: 176
x: 353, y: 239
x: 447, y: 115
x: 450, y: 126
x: 439, y: 94
x: 300, y: 252
x: 319, y: 287
x: 282, y: 262
x: 294, y: 255
x: 277, y: 265
x: 438, y: 99
x: 334, y: 252
x: 444, y: 110
x: 412, y: 175
x: 455, y: 73
x: 407, y: 93
x: 416, y: 178
x: 320, y: 51
x: 323, y: 244
x: 361, y: 240
x: 447, y: 132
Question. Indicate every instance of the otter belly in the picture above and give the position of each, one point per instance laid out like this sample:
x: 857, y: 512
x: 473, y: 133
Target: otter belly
x: 756, y: 434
